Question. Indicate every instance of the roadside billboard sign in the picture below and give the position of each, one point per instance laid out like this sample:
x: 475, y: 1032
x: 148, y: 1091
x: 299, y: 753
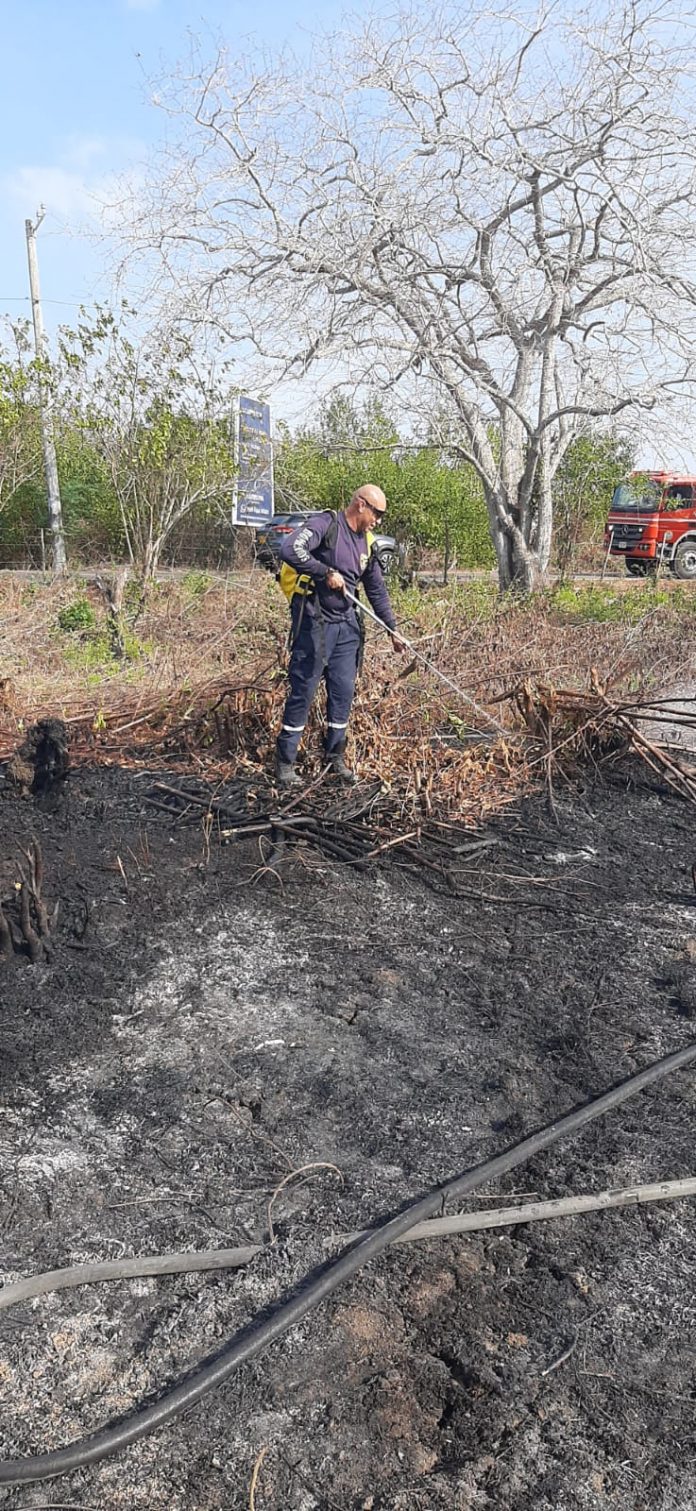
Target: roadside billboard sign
x: 253, y: 494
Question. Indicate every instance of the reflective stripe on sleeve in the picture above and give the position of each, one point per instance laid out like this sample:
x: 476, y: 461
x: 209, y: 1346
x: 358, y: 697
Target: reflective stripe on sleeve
x: 300, y: 544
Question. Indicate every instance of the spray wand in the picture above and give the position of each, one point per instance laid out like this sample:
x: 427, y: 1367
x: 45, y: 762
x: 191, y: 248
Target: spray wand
x: 364, y: 608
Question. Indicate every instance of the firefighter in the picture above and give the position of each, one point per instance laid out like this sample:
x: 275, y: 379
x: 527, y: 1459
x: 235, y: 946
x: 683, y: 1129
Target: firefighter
x: 320, y: 560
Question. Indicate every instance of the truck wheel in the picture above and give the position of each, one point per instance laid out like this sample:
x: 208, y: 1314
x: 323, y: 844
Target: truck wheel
x: 636, y: 568
x: 387, y: 561
x: 684, y: 560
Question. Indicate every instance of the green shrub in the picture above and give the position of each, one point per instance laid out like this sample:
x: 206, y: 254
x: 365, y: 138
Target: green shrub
x: 196, y: 583
x: 77, y: 616
x: 96, y: 651
x: 683, y: 602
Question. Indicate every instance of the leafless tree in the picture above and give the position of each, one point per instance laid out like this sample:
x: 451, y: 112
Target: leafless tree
x: 493, y: 212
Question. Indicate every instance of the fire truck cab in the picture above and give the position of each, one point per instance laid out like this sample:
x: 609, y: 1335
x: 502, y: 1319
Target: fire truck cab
x: 652, y: 520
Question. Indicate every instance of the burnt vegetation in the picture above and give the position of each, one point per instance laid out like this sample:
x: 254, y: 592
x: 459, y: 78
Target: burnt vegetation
x: 268, y: 1023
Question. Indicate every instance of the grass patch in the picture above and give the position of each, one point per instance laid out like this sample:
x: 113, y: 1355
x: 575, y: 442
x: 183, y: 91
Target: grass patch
x: 94, y: 651
x: 432, y: 606
x: 600, y: 604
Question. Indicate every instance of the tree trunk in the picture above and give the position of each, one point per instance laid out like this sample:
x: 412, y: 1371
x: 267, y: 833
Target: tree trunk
x: 149, y: 560
x: 112, y: 590
x: 525, y: 574
x: 544, y: 520
x: 519, y: 568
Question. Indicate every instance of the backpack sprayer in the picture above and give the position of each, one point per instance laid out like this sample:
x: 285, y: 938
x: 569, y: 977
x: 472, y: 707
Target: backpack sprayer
x: 364, y: 608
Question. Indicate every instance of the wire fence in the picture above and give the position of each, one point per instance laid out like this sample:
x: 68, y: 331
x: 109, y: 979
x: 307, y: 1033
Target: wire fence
x: 219, y: 549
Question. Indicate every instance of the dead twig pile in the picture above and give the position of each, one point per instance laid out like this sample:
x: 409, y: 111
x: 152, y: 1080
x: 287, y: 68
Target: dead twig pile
x: 429, y: 786
x: 417, y: 750
x: 352, y: 829
x: 426, y: 779
x: 570, y: 726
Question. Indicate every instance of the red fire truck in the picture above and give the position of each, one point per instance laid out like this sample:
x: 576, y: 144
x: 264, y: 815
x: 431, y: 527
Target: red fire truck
x: 652, y: 520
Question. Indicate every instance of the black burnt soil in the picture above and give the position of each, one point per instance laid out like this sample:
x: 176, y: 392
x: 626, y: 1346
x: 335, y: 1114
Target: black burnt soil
x: 202, y: 1030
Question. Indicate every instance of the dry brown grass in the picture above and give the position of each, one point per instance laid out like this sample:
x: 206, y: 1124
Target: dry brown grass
x: 189, y: 632
x: 204, y: 682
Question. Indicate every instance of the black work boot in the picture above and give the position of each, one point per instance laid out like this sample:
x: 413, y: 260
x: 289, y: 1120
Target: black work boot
x: 338, y: 767
x: 286, y: 775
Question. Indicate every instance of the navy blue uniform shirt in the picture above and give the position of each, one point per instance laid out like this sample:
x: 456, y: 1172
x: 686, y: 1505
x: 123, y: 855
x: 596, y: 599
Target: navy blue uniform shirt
x: 307, y: 553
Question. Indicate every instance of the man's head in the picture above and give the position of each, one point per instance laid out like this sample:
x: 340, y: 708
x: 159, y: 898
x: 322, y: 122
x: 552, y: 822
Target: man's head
x: 366, y: 508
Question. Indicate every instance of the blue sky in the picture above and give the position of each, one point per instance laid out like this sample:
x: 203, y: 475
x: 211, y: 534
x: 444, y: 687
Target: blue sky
x: 74, y: 111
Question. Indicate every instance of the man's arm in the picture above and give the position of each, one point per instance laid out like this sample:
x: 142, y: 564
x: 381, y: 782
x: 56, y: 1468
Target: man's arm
x: 376, y: 589
x: 297, y: 549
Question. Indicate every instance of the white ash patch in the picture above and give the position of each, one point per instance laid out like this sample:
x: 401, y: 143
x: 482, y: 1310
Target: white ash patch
x: 51, y: 1159
x: 570, y: 857
x: 214, y: 987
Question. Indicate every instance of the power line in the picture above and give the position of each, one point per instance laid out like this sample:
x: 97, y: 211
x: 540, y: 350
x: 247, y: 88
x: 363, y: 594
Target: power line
x: 24, y: 299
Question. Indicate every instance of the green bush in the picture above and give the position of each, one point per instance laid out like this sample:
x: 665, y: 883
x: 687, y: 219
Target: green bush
x: 95, y: 651
x: 432, y: 606
x: 433, y: 504
x: 77, y: 616
x: 683, y: 602
x: 196, y: 583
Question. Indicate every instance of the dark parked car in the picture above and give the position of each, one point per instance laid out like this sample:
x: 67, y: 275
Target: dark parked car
x: 269, y: 539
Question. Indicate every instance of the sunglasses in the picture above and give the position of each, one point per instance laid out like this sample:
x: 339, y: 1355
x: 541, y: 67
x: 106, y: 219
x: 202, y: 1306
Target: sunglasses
x: 378, y: 513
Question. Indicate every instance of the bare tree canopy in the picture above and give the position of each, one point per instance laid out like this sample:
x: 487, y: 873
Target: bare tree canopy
x: 495, y: 212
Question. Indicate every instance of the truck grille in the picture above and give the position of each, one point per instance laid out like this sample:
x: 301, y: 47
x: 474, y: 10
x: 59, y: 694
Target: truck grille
x: 627, y: 532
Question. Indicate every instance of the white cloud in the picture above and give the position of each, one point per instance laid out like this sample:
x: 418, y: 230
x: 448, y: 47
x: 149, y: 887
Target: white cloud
x: 63, y: 192
x: 80, y: 185
x: 82, y: 151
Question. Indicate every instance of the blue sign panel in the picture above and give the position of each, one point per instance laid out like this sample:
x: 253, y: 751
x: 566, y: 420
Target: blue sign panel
x: 253, y: 499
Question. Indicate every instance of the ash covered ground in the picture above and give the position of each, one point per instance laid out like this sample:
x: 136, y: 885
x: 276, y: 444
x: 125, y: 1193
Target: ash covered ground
x: 201, y: 1032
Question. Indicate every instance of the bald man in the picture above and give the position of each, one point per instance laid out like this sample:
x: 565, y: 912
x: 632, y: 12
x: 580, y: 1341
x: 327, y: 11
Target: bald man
x: 332, y: 551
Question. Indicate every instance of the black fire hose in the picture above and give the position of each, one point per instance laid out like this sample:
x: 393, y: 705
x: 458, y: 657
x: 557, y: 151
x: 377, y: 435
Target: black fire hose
x: 252, y: 1340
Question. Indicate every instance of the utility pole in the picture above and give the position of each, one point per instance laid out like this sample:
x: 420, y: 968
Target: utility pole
x: 55, y: 512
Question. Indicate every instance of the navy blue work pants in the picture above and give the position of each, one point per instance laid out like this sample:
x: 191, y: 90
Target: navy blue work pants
x: 328, y: 649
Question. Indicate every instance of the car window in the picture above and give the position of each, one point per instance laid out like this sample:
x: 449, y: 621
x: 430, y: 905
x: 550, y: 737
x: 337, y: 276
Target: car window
x: 678, y: 496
